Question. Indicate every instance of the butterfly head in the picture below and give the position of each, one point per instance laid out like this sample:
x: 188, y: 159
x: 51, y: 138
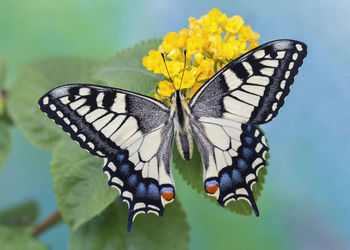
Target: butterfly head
x: 178, y: 94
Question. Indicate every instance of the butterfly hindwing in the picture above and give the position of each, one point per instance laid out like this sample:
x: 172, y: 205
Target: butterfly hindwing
x: 129, y: 131
x: 143, y: 176
x: 232, y: 155
x: 252, y: 88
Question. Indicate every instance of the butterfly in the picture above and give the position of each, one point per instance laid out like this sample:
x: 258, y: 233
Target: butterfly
x: 134, y: 133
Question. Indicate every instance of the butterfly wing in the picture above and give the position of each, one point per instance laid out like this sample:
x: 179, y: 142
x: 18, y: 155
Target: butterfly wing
x: 129, y: 131
x: 252, y: 88
x: 248, y: 91
x: 232, y: 155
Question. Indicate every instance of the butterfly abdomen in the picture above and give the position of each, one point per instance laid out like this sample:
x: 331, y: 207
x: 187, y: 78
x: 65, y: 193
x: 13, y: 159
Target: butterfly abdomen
x: 184, y: 145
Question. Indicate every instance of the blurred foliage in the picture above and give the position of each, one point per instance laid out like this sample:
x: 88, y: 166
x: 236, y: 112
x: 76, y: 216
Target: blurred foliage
x: 20, y: 216
x: 108, y: 230
x: 3, y: 73
x: 81, y: 191
x: 33, y: 82
x: 5, y: 122
x: 15, y: 225
x: 125, y: 70
x: 11, y: 239
x: 5, y: 141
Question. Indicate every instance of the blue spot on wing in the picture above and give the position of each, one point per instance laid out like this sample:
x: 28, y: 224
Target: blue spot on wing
x: 120, y: 157
x: 249, y: 128
x: 141, y: 190
x: 242, y: 164
x: 153, y: 191
x: 236, y: 176
x: 247, y: 152
x: 169, y: 189
x: 248, y: 140
x: 211, y: 182
x: 125, y: 169
x: 225, y: 181
x: 132, y: 180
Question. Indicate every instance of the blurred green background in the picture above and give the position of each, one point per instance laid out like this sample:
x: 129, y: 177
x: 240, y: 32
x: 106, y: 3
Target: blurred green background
x: 305, y: 201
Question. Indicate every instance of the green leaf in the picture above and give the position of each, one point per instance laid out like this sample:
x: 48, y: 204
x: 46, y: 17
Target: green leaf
x: 5, y: 141
x: 108, y: 231
x: 12, y: 239
x: 125, y: 70
x: 79, y: 183
x: 34, y: 82
x: 192, y: 173
x: 22, y: 215
x: 3, y: 72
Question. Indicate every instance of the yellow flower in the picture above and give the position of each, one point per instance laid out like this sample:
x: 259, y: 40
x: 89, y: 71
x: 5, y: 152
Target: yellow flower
x: 165, y: 88
x: 246, y: 34
x: 207, y: 68
x: 153, y: 61
x: 214, y: 14
x: 211, y: 42
x: 234, y: 24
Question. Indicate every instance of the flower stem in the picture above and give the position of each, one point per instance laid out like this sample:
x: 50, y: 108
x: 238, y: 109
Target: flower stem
x: 47, y: 223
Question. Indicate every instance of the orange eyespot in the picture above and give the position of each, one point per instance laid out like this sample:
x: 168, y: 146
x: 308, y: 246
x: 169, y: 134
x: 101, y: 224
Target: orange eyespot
x: 168, y: 195
x: 211, y: 189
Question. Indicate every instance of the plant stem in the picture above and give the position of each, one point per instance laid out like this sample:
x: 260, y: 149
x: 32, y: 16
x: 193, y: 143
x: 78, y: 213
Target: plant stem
x: 47, y: 223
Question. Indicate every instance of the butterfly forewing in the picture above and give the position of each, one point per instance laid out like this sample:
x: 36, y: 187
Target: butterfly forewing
x: 129, y: 131
x: 252, y: 88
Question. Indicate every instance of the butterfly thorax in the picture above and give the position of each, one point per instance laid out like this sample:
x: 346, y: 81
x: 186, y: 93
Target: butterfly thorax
x: 182, y: 116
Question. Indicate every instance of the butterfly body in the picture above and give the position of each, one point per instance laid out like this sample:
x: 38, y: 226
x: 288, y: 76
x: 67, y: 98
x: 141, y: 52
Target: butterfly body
x: 183, y: 133
x: 134, y: 134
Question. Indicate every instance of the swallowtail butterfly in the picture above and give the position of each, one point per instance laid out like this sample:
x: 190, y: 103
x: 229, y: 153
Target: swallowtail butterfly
x: 134, y: 133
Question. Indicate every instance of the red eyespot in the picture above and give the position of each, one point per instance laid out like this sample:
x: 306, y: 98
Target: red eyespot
x: 168, y: 195
x: 211, y: 189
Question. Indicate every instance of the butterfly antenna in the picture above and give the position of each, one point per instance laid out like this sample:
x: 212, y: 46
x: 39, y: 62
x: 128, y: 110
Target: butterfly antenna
x: 168, y: 99
x: 172, y: 82
x: 183, y: 72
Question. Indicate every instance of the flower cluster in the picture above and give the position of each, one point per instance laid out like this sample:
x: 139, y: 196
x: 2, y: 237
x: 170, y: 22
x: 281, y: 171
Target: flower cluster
x: 211, y: 42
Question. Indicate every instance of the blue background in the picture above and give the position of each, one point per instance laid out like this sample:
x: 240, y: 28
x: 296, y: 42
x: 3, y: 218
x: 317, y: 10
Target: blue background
x: 305, y: 201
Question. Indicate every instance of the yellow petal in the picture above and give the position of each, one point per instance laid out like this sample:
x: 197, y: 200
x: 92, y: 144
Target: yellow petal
x: 245, y: 33
x: 214, y: 13
x: 222, y: 20
x: 234, y: 24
